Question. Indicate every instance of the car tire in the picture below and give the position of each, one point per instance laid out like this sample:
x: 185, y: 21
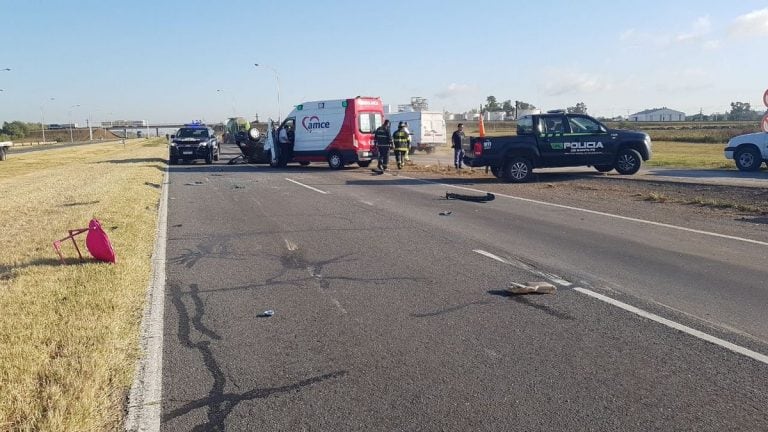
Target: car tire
x: 604, y: 168
x: 496, y: 171
x: 335, y: 160
x: 304, y: 163
x: 517, y: 170
x: 216, y: 155
x: 747, y: 159
x: 628, y: 161
x: 209, y: 157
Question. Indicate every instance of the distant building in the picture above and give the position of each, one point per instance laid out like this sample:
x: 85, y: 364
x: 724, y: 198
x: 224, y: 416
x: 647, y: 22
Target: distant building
x: 494, y: 116
x: 657, y: 115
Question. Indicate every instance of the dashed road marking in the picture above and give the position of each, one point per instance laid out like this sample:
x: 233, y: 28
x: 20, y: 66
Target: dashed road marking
x: 308, y: 187
x: 677, y: 326
x: 549, y: 276
x: 651, y: 316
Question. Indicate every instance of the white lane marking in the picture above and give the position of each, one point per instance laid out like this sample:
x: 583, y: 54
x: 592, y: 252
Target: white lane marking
x: 653, y: 317
x: 627, y: 218
x: 290, y: 245
x: 492, y: 256
x: 552, y: 277
x: 367, y: 203
x: 308, y: 187
x: 146, y: 392
x: 672, y: 324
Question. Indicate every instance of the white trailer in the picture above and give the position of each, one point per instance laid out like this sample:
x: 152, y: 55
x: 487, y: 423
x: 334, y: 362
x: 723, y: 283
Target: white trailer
x: 427, y: 128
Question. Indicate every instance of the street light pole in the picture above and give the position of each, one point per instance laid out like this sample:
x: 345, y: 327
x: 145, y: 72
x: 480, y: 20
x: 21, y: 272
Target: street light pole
x: 71, y: 138
x: 42, y: 117
x: 277, y: 78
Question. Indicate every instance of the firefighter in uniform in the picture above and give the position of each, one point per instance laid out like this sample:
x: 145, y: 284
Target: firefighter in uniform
x: 402, y: 142
x: 383, y: 145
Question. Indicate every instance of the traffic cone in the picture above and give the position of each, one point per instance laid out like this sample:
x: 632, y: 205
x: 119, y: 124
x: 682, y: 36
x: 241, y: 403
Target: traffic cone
x: 481, y: 126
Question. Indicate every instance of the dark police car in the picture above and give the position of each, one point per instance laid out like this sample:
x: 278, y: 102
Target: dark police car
x: 557, y: 139
x: 193, y: 141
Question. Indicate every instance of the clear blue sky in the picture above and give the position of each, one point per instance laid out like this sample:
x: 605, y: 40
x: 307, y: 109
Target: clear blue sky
x: 165, y: 60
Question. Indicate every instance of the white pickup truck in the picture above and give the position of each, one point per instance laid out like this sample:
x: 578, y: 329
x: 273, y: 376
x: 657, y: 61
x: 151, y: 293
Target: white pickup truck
x: 748, y: 151
x: 4, y: 145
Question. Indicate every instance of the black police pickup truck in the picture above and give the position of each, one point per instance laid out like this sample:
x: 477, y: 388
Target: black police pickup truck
x: 556, y: 139
x: 193, y: 141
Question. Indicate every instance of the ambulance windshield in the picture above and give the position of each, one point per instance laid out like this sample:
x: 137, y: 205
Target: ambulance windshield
x: 369, y: 122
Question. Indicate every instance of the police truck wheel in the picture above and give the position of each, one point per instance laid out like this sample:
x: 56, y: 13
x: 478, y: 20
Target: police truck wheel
x: 363, y: 164
x: 304, y: 163
x: 603, y: 168
x: 517, y: 170
x: 747, y: 159
x: 628, y: 161
x: 496, y: 171
x: 209, y: 157
x: 335, y: 161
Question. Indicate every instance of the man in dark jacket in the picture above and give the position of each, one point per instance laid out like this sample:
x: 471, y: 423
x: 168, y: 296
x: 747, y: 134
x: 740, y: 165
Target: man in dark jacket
x: 456, y: 139
x: 383, y: 144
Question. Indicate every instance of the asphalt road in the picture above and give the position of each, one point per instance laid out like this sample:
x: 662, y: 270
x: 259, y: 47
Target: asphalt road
x: 732, y: 177
x: 389, y: 316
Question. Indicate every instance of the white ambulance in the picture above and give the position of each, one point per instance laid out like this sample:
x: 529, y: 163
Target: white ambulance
x: 427, y: 128
x: 339, y: 132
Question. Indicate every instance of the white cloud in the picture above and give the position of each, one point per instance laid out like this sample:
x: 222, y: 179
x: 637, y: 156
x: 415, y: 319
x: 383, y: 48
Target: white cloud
x: 699, y: 29
x: 711, y: 45
x: 454, y: 89
x: 627, y: 35
x: 754, y: 23
x: 561, y: 83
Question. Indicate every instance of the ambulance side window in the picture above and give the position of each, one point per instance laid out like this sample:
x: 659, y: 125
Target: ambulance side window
x: 368, y: 122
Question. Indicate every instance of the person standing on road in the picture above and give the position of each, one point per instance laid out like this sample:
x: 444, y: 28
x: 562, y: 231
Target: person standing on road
x: 383, y: 144
x: 402, y: 141
x: 456, y: 139
x: 407, y: 154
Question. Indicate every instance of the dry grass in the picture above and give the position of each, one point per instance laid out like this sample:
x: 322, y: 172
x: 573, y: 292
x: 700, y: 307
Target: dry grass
x: 69, y: 334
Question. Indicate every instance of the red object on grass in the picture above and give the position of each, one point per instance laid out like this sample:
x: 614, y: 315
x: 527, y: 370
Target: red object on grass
x: 97, y: 242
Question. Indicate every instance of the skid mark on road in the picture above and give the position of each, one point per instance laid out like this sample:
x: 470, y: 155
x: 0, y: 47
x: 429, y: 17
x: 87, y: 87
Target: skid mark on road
x: 218, y: 402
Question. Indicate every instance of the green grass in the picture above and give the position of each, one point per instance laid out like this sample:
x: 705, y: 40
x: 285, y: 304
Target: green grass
x: 69, y: 333
x: 689, y: 155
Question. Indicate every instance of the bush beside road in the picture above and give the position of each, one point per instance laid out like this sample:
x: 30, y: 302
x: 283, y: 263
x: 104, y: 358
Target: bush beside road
x: 69, y: 333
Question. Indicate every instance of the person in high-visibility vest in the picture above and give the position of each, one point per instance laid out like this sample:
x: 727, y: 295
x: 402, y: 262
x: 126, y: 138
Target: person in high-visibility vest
x: 402, y: 141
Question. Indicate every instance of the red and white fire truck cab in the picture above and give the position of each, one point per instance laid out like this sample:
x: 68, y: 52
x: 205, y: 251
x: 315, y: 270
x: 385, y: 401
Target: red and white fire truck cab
x: 339, y: 132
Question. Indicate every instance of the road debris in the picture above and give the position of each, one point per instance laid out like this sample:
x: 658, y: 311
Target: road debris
x: 266, y: 314
x: 445, y: 213
x: 197, y: 183
x: 532, y: 288
x: 474, y: 198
